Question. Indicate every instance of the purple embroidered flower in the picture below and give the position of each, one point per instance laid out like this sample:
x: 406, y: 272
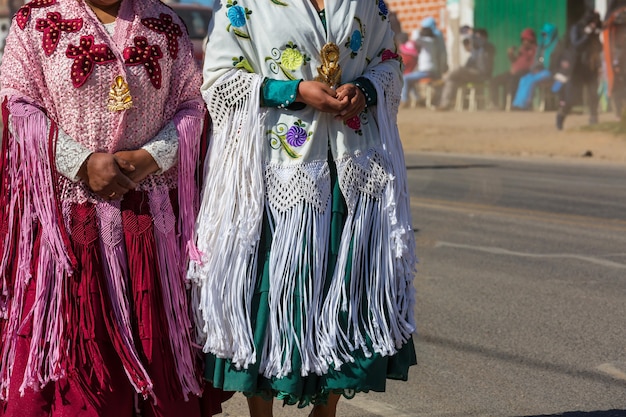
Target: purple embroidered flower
x: 382, y: 7
x: 354, y: 123
x: 237, y: 16
x: 296, y: 136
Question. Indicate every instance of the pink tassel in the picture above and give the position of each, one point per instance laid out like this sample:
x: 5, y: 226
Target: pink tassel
x: 34, y: 198
x: 173, y: 291
x: 189, y: 132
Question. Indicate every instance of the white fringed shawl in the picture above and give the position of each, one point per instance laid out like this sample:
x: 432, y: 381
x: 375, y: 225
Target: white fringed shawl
x: 256, y: 167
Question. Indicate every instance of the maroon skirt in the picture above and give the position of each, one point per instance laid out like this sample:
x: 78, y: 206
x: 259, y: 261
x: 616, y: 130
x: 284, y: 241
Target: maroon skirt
x: 98, y: 367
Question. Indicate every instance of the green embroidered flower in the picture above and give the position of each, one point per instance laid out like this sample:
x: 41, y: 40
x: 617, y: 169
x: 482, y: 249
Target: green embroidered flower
x: 288, y: 60
x: 292, y: 59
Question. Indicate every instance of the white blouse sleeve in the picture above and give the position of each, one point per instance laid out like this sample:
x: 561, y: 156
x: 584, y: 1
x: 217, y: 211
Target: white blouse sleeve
x: 164, y: 147
x: 70, y: 156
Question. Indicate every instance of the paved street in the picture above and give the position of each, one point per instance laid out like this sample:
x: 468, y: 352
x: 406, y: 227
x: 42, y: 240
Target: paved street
x: 521, y: 291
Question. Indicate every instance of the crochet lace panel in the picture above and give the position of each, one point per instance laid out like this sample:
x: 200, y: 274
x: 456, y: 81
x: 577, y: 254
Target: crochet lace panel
x: 231, y: 92
x: 393, y: 86
x: 362, y: 173
x: 287, y: 186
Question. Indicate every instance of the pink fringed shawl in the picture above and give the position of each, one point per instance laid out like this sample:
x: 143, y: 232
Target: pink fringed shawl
x: 58, y: 67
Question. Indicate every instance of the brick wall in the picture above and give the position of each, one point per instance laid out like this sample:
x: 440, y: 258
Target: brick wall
x: 411, y: 12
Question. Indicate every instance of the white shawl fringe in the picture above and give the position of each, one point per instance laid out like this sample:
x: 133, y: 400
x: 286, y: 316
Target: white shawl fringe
x: 230, y: 218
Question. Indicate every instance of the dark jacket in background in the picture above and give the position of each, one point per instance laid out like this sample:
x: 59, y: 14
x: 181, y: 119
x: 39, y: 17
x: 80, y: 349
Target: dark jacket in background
x: 482, y: 57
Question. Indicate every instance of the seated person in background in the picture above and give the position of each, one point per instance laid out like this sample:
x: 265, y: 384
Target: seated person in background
x: 540, y: 70
x: 477, y: 69
x: 521, y: 62
x: 431, y: 59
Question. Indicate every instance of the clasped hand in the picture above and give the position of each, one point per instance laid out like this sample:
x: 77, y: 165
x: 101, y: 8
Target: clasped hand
x: 345, y: 102
x: 110, y: 176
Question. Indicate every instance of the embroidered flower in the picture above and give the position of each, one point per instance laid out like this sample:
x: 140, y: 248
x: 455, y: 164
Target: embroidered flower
x: 166, y: 26
x: 356, y: 41
x: 85, y: 56
x: 237, y: 16
x: 292, y: 59
x: 148, y: 56
x: 354, y: 123
x: 23, y: 14
x: 52, y: 26
x: 287, y: 60
x: 296, y: 136
x: 285, y: 138
x: 382, y: 8
x: 389, y: 54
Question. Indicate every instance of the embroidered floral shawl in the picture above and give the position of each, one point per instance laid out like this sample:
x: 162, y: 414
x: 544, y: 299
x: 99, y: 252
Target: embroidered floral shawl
x: 277, y: 160
x: 58, y: 70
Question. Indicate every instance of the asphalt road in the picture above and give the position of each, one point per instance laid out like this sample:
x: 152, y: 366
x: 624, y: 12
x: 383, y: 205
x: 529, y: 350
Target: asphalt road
x: 521, y: 292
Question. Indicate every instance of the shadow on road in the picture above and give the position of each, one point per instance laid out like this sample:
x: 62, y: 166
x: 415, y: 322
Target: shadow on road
x: 458, y: 166
x: 607, y: 413
x: 532, y: 363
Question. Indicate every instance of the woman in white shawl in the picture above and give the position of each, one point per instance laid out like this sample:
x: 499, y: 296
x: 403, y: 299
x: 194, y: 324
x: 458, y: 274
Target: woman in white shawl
x: 305, y: 255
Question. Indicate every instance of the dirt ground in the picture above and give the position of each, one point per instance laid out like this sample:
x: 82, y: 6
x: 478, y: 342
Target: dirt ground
x: 521, y: 134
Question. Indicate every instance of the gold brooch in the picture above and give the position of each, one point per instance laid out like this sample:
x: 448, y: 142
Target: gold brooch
x: 119, y: 95
x: 330, y: 70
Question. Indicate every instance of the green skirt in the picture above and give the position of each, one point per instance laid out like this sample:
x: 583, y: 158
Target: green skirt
x: 362, y: 375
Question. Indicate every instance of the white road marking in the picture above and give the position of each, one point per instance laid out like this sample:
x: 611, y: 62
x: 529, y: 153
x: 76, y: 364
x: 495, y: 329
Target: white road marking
x: 501, y: 251
x: 613, y: 371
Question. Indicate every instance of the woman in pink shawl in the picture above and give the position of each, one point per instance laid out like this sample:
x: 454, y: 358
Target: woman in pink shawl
x: 102, y: 119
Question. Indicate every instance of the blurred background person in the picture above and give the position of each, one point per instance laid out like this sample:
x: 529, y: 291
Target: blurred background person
x: 522, y: 59
x: 580, y: 63
x: 540, y: 71
x: 477, y: 69
x: 432, y: 59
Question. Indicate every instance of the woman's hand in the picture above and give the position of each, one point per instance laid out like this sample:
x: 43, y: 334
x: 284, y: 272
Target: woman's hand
x: 102, y: 172
x: 320, y: 96
x: 143, y: 164
x: 354, y: 99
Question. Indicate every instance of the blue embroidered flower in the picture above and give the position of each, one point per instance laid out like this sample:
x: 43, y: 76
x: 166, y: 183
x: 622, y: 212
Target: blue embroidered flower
x: 382, y: 7
x: 237, y: 16
x: 356, y: 40
x: 296, y: 136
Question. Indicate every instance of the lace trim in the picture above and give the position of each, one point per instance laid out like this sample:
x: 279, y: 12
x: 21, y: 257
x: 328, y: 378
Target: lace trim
x: 230, y: 94
x: 287, y: 186
x: 392, y: 83
x: 70, y: 155
x: 164, y: 147
x: 362, y: 173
